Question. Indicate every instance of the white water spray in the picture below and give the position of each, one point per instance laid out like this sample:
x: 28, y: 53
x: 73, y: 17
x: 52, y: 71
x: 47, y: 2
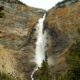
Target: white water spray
x: 40, y: 45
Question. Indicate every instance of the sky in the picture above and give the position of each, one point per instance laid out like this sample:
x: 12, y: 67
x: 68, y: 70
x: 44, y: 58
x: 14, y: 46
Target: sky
x: 45, y: 4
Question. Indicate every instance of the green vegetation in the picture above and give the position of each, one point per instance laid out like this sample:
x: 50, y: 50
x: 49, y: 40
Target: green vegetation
x: 19, y: 2
x: 62, y: 3
x: 44, y: 73
x: 71, y: 0
x: 73, y: 62
x: 4, y: 76
x: 79, y: 30
x: 1, y: 12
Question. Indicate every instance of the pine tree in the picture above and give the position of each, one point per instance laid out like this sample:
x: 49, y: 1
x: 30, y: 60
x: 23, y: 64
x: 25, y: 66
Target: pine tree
x: 44, y: 73
x: 73, y: 62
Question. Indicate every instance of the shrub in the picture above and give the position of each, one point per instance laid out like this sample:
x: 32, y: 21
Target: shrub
x: 73, y: 62
x: 4, y: 76
x: 62, y: 3
x: 1, y: 13
x: 1, y: 8
x: 79, y: 30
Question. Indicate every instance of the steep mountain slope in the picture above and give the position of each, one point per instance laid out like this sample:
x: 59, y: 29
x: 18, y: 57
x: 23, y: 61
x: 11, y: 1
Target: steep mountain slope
x: 63, y: 25
x: 17, y: 37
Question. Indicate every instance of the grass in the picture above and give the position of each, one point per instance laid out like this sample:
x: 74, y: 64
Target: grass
x: 4, y: 76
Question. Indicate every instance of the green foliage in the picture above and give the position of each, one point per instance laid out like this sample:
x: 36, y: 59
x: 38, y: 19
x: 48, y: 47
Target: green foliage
x: 19, y: 2
x: 71, y: 0
x: 73, y: 61
x: 1, y: 13
x: 4, y: 76
x: 1, y: 8
x: 63, y: 3
x: 60, y: 4
x: 44, y: 73
x: 79, y: 30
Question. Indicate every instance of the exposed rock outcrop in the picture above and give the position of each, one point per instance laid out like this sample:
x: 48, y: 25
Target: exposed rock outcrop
x: 62, y: 24
x: 17, y: 37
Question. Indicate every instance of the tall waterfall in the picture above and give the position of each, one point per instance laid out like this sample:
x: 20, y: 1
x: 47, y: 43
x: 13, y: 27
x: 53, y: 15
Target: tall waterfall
x: 40, y: 44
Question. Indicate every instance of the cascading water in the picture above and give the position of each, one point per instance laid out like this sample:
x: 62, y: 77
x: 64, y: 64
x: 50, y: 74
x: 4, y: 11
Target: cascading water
x: 40, y: 45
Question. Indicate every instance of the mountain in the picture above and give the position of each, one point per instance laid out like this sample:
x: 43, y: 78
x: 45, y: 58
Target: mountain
x: 18, y: 35
x: 62, y: 24
x: 17, y: 38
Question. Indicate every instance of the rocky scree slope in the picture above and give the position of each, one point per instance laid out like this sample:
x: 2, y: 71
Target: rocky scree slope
x: 17, y: 38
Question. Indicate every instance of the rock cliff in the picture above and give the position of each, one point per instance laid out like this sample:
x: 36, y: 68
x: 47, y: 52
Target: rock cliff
x: 17, y: 38
x: 17, y: 35
x: 62, y: 24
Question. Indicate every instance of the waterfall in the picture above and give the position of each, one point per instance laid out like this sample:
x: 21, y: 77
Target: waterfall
x: 40, y: 45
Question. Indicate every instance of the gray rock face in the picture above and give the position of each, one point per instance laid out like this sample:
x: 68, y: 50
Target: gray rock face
x: 17, y: 35
x: 66, y: 3
x: 62, y: 24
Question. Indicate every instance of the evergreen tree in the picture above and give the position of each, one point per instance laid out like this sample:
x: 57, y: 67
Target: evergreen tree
x: 44, y: 73
x: 73, y: 62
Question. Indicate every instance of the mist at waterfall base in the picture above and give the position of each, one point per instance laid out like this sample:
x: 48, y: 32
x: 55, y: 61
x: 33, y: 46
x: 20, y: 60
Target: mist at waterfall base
x: 40, y: 45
